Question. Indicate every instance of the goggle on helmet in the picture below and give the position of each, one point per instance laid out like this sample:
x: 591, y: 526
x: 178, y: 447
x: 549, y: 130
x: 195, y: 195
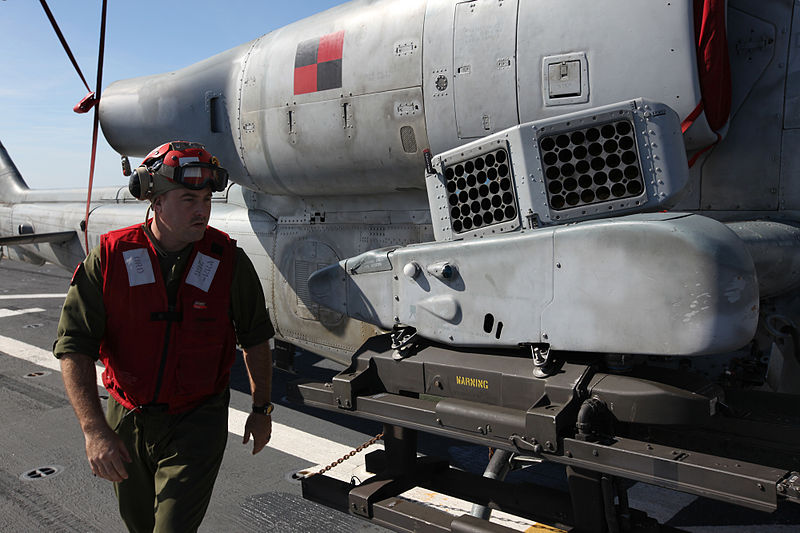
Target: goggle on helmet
x: 188, y: 164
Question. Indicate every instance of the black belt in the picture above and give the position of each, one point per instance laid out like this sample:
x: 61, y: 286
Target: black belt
x: 152, y: 408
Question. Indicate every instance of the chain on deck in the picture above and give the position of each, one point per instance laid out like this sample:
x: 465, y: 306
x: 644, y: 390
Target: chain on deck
x: 344, y: 458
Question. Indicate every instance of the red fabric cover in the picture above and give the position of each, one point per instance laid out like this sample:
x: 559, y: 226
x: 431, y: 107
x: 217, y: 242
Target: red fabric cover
x: 202, y: 345
x: 712, y: 60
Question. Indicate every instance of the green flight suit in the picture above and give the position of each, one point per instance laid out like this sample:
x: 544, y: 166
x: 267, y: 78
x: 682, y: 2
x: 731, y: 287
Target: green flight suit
x: 176, y: 457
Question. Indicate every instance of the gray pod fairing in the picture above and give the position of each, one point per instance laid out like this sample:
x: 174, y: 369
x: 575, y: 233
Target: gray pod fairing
x: 661, y: 284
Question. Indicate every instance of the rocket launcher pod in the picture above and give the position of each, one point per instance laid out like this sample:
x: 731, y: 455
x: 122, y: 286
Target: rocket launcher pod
x: 607, y: 161
x: 506, y: 270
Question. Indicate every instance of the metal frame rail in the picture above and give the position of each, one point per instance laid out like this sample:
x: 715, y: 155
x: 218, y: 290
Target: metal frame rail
x: 593, y: 471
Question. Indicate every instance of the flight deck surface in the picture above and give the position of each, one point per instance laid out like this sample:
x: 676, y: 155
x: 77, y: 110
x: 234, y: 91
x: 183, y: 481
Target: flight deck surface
x: 46, y: 484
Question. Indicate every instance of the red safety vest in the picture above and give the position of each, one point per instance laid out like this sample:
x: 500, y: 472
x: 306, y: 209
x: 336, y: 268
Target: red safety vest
x: 154, y: 354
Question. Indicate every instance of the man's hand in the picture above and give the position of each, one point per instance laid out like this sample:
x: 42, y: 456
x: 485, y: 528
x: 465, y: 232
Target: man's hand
x: 106, y: 453
x: 260, y: 427
x: 258, y: 360
x: 104, y: 448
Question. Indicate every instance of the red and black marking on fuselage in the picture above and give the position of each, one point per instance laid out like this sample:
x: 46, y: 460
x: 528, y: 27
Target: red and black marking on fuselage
x: 318, y: 64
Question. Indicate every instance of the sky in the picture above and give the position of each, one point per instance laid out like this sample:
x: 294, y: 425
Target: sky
x: 49, y: 143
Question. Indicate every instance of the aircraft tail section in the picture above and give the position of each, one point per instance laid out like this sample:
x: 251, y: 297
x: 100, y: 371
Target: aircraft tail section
x: 12, y: 186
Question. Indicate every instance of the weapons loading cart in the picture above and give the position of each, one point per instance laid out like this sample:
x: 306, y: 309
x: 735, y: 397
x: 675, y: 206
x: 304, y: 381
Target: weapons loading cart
x: 593, y: 344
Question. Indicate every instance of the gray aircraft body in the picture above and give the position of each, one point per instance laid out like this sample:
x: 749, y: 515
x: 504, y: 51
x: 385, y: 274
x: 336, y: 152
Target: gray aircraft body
x: 579, y: 222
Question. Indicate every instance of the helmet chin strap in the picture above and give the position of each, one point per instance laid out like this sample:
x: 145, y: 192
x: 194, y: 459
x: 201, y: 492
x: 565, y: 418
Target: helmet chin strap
x: 149, y: 231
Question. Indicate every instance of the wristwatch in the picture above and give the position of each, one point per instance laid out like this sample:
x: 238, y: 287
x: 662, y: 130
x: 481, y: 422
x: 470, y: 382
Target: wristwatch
x: 265, y: 409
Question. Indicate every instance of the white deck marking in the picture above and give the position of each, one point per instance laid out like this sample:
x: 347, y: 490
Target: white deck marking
x: 14, y: 312
x: 31, y: 296
x: 318, y: 451
x: 289, y: 440
x: 29, y: 353
x: 286, y: 439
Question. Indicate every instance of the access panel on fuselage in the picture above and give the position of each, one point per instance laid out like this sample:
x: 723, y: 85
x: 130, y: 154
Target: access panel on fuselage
x: 484, y: 67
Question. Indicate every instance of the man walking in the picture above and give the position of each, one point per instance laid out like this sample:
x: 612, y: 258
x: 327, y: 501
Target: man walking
x: 162, y: 305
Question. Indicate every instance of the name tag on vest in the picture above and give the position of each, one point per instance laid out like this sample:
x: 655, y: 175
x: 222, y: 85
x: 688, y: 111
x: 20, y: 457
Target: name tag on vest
x: 202, y: 272
x: 140, y: 269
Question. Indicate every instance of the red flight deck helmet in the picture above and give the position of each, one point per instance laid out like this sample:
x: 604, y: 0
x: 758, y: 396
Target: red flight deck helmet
x: 175, y: 164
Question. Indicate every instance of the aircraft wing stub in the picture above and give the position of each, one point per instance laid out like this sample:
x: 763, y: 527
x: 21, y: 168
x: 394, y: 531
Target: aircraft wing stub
x: 37, y: 238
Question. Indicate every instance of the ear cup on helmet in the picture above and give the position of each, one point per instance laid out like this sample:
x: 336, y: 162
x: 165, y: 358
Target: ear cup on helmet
x: 133, y: 185
x: 140, y: 183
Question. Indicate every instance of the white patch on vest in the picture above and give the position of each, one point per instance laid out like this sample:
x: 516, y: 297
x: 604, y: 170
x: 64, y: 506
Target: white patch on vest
x: 202, y: 272
x: 140, y: 269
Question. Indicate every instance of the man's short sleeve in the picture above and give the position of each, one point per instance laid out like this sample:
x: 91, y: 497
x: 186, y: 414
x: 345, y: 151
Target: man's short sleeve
x: 248, y: 310
x: 83, y: 318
